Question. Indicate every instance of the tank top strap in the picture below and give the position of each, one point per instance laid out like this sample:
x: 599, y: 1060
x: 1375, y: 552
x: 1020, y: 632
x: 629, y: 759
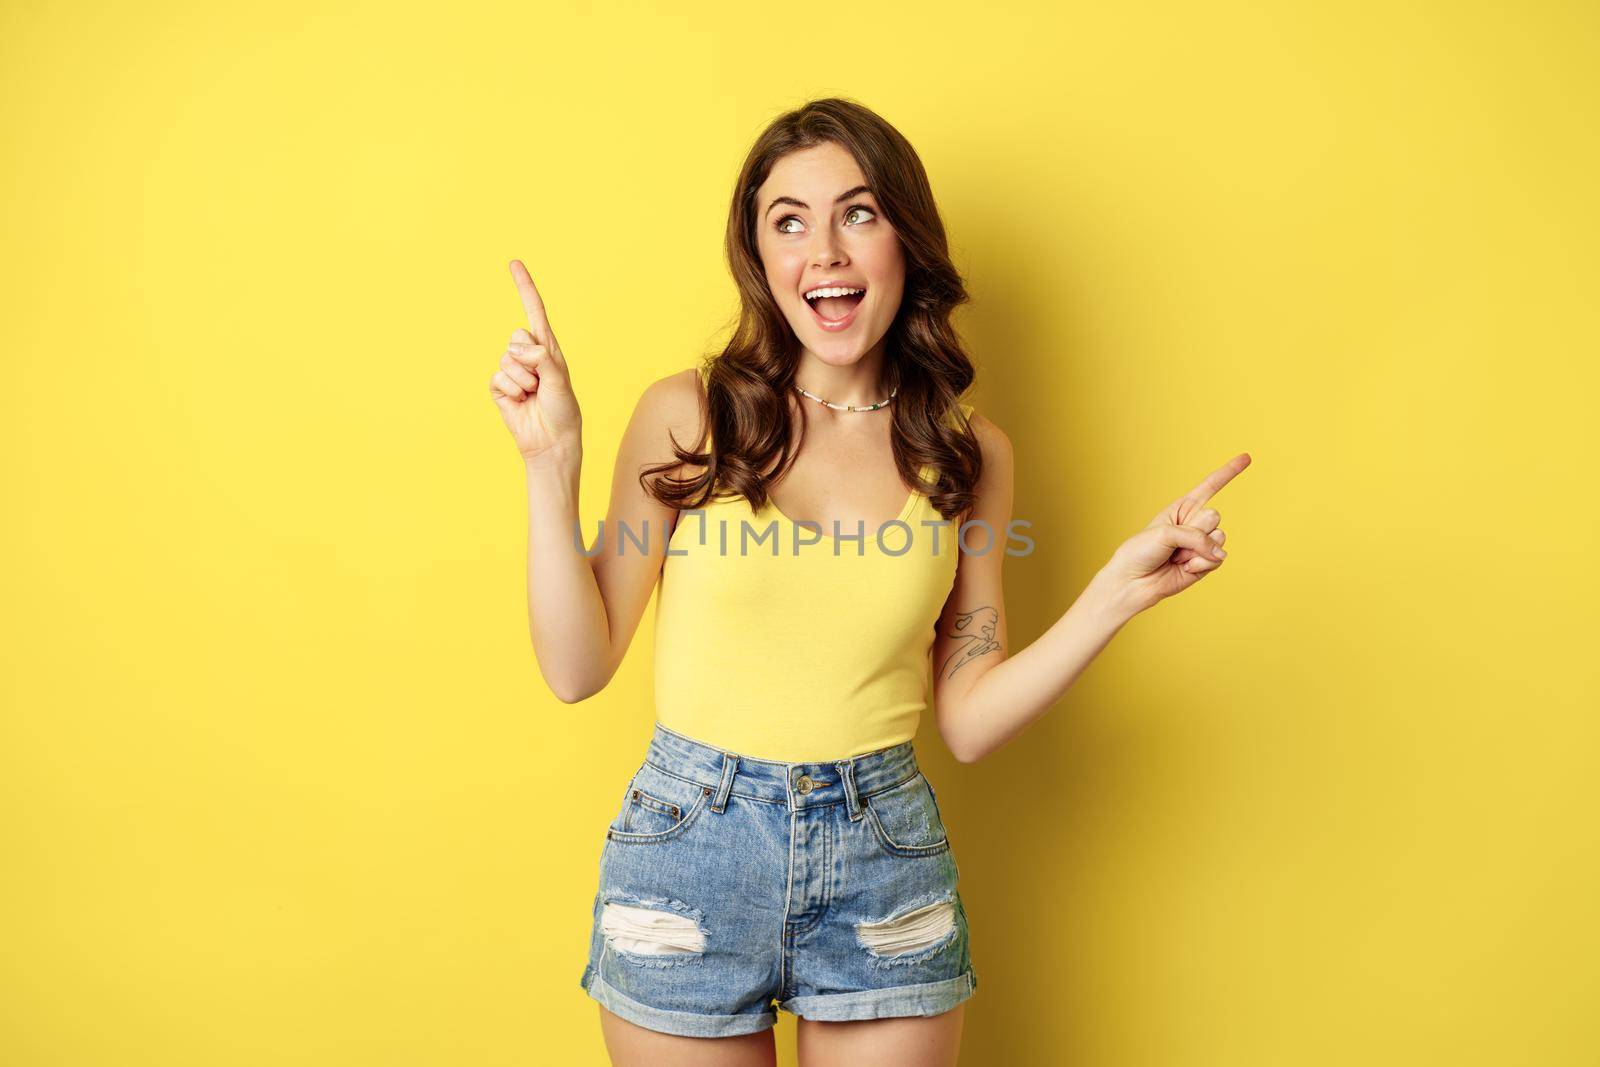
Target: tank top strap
x: 929, y: 471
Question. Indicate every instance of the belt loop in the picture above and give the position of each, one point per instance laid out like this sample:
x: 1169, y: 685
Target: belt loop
x: 852, y: 801
x: 729, y: 762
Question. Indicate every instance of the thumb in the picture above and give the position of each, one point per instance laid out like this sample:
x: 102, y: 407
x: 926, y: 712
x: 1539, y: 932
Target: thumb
x: 1193, y: 538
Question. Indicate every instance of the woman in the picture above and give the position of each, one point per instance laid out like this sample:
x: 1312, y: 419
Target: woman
x: 779, y: 842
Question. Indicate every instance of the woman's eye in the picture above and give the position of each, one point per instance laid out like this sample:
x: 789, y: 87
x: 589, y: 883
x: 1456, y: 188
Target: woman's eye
x: 779, y: 225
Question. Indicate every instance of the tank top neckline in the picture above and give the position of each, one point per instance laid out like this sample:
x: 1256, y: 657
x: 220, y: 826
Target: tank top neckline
x: 905, y: 511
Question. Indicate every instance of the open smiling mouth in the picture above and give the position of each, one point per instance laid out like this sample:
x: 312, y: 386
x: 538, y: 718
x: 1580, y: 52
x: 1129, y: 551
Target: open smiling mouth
x: 834, y: 313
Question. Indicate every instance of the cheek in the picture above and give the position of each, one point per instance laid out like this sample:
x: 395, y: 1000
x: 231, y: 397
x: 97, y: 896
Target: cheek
x: 783, y: 270
x: 888, y: 270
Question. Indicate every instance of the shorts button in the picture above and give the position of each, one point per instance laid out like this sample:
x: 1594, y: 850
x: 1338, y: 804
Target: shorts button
x: 804, y: 784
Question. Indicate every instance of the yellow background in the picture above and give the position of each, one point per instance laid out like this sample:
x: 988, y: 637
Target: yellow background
x: 282, y: 783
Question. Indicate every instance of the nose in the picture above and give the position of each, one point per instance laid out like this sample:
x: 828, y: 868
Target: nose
x: 827, y: 251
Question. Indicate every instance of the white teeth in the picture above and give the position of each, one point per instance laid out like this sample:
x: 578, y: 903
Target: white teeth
x: 818, y: 294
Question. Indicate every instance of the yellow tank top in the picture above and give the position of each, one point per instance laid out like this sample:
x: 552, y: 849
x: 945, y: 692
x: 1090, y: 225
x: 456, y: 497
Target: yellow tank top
x: 782, y: 642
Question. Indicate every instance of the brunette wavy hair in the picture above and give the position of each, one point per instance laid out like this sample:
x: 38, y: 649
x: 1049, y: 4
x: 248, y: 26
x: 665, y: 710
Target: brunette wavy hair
x: 749, y: 381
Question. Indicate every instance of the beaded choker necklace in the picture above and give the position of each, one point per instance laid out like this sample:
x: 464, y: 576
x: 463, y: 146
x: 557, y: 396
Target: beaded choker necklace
x: 848, y: 407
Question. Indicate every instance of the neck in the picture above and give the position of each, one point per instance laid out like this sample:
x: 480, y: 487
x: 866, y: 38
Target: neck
x: 858, y: 384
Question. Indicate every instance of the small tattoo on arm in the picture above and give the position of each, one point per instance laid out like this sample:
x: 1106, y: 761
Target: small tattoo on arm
x: 976, y: 629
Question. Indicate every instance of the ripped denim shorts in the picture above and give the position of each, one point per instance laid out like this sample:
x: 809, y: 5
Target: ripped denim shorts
x: 729, y: 882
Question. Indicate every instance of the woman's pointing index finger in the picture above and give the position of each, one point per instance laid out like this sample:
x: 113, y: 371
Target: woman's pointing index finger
x: 538, y: 323
x: 1213, y: 482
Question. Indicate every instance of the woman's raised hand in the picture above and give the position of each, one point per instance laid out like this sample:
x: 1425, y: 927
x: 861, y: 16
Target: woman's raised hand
x: 1182, y: 545
x: 532, y: 388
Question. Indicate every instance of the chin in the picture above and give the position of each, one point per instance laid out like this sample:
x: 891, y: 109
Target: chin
x: 838, y: 357
x: 838, y: 351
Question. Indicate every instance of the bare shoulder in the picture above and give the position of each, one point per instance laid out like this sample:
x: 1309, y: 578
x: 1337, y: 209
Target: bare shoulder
x: 670, y: 408
x: 992, y: 440
x: 679, y: 401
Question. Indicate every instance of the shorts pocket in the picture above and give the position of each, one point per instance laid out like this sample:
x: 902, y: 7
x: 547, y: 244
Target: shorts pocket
x: 905, y: 818
x: 657, y: 807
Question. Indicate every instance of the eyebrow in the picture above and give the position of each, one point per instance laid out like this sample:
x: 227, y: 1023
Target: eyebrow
x: 841, y: 198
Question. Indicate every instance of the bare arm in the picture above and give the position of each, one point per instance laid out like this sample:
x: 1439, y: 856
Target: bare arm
x: 983, y: 697
x: 583, y: 607
x: 583, y: 610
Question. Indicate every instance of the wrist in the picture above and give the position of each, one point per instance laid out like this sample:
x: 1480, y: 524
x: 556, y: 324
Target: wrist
x: 554, y: 468
x: 556, y: 457
x: 1108, y: 600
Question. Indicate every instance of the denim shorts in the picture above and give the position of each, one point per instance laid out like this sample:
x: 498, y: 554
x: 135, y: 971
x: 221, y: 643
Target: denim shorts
x: 729, y: 882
